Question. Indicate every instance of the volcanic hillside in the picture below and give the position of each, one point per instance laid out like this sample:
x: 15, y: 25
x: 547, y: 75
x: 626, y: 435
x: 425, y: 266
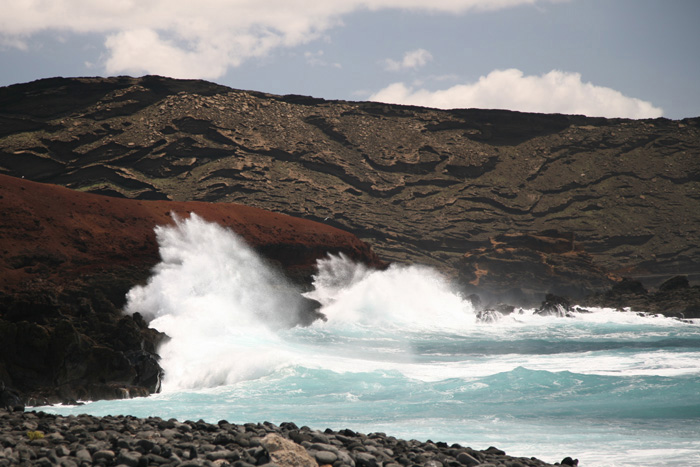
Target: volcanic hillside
x: 465, y: 190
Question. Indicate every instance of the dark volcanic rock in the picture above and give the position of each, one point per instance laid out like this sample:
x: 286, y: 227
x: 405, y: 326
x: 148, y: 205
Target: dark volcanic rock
x: 674, y: 283
x: 421, y: 185
x: 67, y: 260
x: 554, y: 305
x: 37, y: 438
x: 675, y: 298
x: 10, y: 400
x: 520, y: 268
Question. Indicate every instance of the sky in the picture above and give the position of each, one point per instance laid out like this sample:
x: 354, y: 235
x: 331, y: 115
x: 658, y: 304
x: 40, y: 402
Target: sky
x: 609, y: 58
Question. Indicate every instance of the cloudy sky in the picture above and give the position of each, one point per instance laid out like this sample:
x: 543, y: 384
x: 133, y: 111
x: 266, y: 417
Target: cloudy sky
x: 613, y: 58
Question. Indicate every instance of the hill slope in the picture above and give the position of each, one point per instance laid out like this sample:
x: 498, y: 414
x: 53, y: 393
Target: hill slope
x: 420, y: 185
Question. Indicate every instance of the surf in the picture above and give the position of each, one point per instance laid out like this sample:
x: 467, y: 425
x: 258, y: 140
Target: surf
x: 403, y: 352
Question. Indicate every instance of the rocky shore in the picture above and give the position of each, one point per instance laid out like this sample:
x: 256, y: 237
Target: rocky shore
x: 67, y: 260
x: 38, y: 438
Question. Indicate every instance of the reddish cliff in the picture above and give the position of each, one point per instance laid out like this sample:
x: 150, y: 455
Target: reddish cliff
x: 68, y: 258
x: 55, y: 233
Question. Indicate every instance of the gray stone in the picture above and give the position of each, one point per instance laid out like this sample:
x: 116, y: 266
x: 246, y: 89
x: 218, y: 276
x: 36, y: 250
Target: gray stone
x: 105, y: 455
x: 317, y: 437
x: 146, y: 444
x: 192, y: 463
x: 156, y: 459
x: 130, y: 459
x: 83, y: 455
x: 226, y: 455
x: 465, y: 459
x: 169, y: 434
x: 362, y: 459
x: 67, y: 462
x: 62, y: 451
x: 325, y: 457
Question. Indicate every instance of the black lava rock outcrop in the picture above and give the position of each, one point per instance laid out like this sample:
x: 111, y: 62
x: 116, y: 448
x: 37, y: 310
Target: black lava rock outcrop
x: 674, y: 297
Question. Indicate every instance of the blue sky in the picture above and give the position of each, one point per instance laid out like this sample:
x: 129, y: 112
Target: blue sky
x: 626, y: 58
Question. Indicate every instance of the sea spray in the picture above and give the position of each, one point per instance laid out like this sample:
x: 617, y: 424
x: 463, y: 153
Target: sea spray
x: 219, y: 303
x: 413, y: 298
x: 225, y: 309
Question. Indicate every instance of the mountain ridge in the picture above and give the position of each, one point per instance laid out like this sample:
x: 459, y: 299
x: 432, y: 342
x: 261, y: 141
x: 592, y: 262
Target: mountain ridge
x: 420, y: 185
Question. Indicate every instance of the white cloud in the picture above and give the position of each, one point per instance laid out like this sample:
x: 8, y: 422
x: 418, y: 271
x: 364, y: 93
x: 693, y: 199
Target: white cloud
x: 130, y: 49
x: 13, y: 42
x: 411, y: 60
x: 553, y: 92
x: 316, y: 59
x: 203, y: 38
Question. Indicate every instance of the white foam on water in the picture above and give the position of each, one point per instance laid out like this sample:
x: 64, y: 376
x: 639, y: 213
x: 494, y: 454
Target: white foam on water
x: 227, y: 313
x: 411, y: 298
x: 219, y: 303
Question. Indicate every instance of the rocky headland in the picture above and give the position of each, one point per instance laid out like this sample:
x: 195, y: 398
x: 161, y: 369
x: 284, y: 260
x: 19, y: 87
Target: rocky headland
x: 67, y: 260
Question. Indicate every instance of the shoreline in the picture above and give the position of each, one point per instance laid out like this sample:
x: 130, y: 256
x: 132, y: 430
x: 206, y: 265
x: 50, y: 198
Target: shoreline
x: 39, y: 438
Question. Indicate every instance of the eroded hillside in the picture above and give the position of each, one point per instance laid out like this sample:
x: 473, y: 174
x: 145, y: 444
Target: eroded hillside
x: 418, y: 184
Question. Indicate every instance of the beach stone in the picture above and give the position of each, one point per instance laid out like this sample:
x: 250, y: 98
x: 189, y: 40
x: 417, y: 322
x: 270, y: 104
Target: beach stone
x: 130, y: 459
x: 155, y: 459
x: 98, y: 446
x: 169, y: 433
x: 66, y: 462
x: 495, y: 451
x: 363, y: 459
x: 146, y: 444
x: 286, y: 453
x: 225, y: 455
x: 319, y: 438
x: 325, y: 457
x: 465, y: 459
x: 83, y: 455
x: 104, y: 455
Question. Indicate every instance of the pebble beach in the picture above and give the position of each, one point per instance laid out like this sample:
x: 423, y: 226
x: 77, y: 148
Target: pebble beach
x: 38, y: 438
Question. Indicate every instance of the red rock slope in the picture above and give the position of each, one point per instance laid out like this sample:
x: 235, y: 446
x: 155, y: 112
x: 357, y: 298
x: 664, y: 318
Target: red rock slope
x: 50, y: 231
x: 67, y: 260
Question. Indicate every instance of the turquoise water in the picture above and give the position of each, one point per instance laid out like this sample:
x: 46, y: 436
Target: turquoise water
x: 403, y: 354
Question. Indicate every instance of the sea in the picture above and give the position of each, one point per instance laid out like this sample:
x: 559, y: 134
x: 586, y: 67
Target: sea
x: 403, y: 353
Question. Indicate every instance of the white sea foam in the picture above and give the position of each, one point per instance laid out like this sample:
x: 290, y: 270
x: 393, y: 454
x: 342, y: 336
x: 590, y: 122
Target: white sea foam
x: 219, y: 303
x: 227, y: 315
x: 401, y: 297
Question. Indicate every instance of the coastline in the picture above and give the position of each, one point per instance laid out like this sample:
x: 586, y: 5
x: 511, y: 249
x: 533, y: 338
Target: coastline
x: 39, y: 438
